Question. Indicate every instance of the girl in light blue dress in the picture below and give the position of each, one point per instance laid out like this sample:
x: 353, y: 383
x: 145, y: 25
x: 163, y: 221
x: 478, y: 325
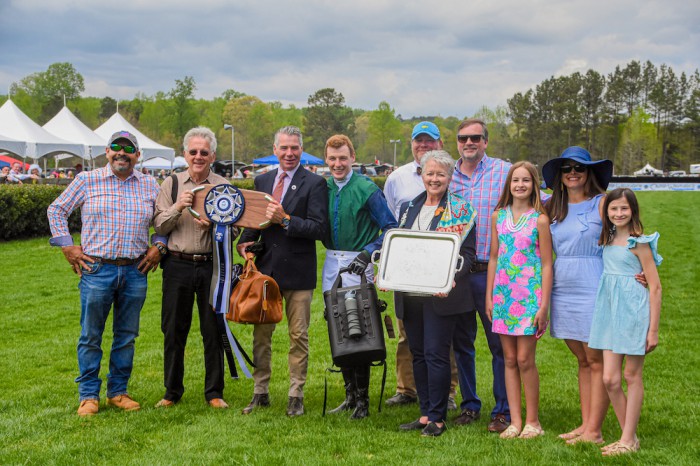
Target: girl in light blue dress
x: 626, y: 318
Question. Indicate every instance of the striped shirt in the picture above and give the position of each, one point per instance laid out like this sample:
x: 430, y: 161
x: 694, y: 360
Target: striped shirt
x: 482, y: 191
x: 116, y: 214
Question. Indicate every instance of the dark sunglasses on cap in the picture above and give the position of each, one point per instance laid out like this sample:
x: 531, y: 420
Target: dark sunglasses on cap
x: 578, y: 168
x: 193, y: 152
x: 126, y: 148
x: 476, y: 138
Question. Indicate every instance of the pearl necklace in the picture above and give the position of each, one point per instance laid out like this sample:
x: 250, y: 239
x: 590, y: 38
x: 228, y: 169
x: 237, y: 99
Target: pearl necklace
x: 513, y: 227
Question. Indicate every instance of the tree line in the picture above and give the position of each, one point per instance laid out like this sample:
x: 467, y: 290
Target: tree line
x: 639, y: 113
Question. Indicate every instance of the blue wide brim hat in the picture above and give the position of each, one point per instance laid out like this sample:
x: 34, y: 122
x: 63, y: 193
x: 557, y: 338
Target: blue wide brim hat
x: 601, y: 169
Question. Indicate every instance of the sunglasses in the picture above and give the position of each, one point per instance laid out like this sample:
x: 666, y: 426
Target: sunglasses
x: 578, y: 168
x: 464, y: 138
x: 193, y: 152
x: 127, y: 149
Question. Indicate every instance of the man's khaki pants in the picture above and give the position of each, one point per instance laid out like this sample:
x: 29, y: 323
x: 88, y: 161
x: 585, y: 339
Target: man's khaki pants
x: 298, y: 311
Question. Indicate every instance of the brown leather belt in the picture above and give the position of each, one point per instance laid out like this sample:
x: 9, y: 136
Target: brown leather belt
x: 120, y: 261
x: 479, y: 267
x: 191, y: 257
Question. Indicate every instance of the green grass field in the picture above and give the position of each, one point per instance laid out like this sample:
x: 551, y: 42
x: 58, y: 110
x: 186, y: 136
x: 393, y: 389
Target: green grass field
x: 39, y: 319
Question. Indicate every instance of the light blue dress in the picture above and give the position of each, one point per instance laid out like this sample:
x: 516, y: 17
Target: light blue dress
x: 621, y: 318
x: 577, y: 269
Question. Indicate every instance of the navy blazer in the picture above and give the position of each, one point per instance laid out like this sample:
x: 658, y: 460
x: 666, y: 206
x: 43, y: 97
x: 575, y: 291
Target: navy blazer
x: 289, y: 256
x: 460, y: 298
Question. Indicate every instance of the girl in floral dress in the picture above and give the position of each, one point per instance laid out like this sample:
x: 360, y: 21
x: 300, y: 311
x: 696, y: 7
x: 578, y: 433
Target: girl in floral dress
x: 520, y: 278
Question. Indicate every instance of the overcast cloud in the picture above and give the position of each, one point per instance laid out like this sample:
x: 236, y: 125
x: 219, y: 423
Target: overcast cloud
x: 423, y: 57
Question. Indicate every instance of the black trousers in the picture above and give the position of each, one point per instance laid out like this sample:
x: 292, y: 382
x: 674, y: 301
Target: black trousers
x: 183, y: 282
x: 430, y: 337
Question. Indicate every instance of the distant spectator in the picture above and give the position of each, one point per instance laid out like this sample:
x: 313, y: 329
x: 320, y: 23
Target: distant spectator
x: 34, y: 173
x: 161, y: 174
x: 78, y: 168
x: 9, y: 177
x: 70, y: 174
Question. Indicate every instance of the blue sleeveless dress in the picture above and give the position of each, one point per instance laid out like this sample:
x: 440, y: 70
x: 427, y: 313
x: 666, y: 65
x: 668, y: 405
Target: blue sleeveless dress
x: 578, y: 266
x: 621, y: 318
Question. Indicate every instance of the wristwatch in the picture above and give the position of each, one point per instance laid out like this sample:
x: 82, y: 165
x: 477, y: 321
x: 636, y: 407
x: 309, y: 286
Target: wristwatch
x: 161, y: 248
x: 285, y: 221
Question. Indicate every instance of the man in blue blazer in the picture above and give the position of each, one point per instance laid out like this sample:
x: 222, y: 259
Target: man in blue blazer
x: 299, y: 217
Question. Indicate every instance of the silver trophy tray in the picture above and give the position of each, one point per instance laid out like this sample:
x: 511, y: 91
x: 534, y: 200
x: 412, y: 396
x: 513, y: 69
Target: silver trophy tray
x: 422, y: 262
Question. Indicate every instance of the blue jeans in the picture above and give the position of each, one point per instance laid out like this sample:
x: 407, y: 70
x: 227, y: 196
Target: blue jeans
x: 100, y: 287
x: 467, y: 366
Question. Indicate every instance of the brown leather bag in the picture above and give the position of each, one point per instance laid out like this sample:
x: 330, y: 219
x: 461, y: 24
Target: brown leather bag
x: 256, y: 299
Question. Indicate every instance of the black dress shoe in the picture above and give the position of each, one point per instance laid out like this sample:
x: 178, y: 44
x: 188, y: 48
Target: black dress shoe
x: 401, y: 399
x: 259, y: 399
x: 433, y: 430
x: 295, y: 407
x: 467, y: 417
x: 415, y: 425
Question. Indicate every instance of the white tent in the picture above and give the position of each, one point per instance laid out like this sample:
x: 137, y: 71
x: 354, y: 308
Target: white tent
x: 68, y: 126
x: 12, y: 145
x: 149, y: 148
x: 39, y: 142
x: 648, y: 170
x: 159, y: 163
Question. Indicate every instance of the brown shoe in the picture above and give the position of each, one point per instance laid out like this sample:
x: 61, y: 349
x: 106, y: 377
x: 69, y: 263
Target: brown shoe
x: 88, y: 407
x: 164, y: 403
x: 467, y: 416
x: 498, y: 423
x: 124, y: 402
x: 218, y: 403
x: 259, y: 399
x: 295, y: 407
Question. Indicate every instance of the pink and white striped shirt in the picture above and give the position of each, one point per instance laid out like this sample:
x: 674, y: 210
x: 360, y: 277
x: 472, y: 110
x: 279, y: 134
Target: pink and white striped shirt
x: 482, y: 190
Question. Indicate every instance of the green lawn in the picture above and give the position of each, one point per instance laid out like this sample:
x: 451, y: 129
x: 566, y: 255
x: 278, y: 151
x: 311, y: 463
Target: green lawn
x: 39, y: 319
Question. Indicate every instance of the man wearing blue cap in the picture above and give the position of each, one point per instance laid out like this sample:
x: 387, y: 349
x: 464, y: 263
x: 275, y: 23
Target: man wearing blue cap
x: 479, y: 179
x: 403, y: 185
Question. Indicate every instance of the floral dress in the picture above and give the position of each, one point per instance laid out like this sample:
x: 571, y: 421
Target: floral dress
x: 517, y: 288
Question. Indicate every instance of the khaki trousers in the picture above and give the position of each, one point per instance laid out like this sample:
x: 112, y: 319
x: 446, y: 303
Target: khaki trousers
x: 404, y: 366
x: 298, y: 311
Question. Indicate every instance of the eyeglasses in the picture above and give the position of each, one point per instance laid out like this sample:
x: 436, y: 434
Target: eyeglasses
x: 578, y: 168
x: 118, y: 147
x: 204, y: 152
x: 464, y: 138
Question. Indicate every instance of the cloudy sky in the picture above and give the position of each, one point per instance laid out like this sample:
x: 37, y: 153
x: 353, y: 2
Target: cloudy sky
x: 439, y: 57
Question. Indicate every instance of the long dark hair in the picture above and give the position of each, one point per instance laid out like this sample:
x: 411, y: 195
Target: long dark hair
x: 506, y: 198
x: 558, y: 205
x: 636, y: 227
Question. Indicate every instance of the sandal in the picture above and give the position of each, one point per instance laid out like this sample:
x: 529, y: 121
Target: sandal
x: 581, y: 439
x: 619, y: 448
x: 510, y: 432
x: 569, y: 435
x: 531, y: 431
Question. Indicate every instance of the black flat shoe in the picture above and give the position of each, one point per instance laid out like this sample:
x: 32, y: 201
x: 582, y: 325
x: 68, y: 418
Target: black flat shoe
x: 432, y: 430
x: 415, y: 425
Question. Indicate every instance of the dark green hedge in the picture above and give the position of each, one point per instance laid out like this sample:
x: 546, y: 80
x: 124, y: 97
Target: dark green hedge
x: 23, y: 210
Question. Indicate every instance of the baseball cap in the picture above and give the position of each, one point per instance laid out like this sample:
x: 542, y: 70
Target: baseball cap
x: 124, y: 135
x: 426, y: 127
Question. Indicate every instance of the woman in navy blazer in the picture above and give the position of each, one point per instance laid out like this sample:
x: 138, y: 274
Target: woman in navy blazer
x: 435, y: 323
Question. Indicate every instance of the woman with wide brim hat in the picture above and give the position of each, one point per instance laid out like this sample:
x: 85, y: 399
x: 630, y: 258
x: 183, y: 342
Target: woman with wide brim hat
x: 578, y: 188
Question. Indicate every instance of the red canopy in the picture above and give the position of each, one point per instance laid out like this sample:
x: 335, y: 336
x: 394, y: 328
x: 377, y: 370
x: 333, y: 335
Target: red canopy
x: 10, y: 160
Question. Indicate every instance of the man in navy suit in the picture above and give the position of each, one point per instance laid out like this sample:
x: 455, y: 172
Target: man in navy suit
x: 299, y: 217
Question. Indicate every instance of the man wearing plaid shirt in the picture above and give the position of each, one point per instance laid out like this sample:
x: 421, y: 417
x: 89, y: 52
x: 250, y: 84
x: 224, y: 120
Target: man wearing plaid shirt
x: 479, y: 179
x: 117, y: 205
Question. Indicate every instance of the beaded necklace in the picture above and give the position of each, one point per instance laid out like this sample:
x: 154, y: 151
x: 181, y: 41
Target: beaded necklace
x: 513, y: 227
